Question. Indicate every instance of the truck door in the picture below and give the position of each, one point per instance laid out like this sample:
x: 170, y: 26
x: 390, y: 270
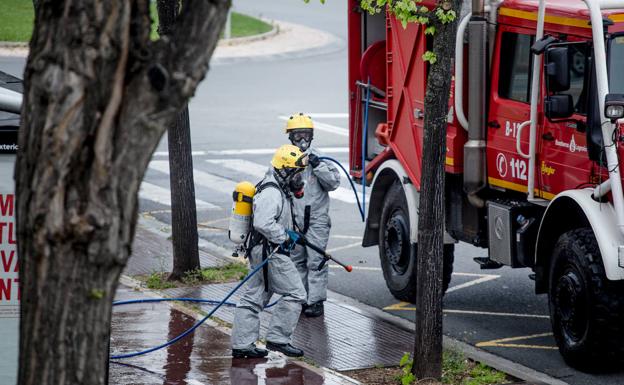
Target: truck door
x: 564, y: 161
x: 509, y: 107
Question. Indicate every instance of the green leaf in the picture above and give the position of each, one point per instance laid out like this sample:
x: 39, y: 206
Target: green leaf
x: 408, y: 379
x: 431, y: 30
x: 404, y: 360
x: 430, y: 57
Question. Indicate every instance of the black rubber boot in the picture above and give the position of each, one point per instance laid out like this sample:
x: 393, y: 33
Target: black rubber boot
x: 314, y: 310
x: 253, y: 352
x: 287, y: 349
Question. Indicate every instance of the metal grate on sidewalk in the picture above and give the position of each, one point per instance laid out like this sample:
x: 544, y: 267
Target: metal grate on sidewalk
x: 343, y: 339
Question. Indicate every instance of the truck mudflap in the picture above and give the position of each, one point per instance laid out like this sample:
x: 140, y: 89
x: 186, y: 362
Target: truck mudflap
x: 390, y: 172
x: 574, y: 209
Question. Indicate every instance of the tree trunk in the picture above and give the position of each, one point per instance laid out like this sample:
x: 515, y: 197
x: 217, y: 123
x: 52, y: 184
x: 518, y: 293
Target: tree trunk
x: 428, y: 343
x: 98, y: 97
x: 183, y: 210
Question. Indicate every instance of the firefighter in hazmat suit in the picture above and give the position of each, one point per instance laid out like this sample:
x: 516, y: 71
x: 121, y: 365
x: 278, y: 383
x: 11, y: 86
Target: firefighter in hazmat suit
x: 272, y: 227
x: 312, y: 213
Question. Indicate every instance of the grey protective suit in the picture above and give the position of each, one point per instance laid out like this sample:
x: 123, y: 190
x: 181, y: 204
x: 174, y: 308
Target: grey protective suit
x: 319, y: 181
x: 272, y: 217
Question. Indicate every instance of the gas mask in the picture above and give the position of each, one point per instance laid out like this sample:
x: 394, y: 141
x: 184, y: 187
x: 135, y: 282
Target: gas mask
x: 295, y: 185
x: 302, y: 138
x: 291, y: 180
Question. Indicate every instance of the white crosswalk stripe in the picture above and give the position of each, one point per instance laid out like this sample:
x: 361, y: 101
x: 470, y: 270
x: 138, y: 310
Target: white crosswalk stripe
x: 204, y: 179
x: 324, y: 127
x: 251, y: 168
x: 254, y: 151
x: 162, y: 195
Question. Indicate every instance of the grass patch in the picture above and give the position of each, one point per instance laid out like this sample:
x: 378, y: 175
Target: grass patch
x: 456, y: 370
x: 158, y: 281
x: 17, y: 18
x: 243, y: 25
x: 231, y: 272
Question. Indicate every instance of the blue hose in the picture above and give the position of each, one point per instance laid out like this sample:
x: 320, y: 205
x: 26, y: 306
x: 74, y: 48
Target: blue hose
x: 192, y: 328
x: 350, y: 181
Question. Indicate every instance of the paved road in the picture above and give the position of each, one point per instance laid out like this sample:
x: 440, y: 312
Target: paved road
x: 237, y: 118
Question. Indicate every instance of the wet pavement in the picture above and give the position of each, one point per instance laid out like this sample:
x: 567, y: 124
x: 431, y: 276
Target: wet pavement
x: 201, y: 358
x: 342, y: 339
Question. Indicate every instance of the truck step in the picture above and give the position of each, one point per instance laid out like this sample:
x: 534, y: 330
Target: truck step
x: 487, y: 263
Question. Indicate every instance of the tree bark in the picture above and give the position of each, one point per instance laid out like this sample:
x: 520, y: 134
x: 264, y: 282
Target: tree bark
x: 183, y: 210
x: 98, y: 97
x: 428, y: 341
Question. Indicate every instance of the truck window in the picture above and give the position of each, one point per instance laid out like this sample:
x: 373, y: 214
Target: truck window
x: 515, y: 67
x: 578, y: 64
x: 616, y: 58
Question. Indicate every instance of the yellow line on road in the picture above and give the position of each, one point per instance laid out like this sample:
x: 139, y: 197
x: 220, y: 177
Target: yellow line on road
x: 502, y: 342
x: 406, y: 306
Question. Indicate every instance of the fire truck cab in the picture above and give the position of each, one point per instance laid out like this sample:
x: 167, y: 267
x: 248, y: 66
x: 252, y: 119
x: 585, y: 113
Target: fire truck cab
x: 533, y: 153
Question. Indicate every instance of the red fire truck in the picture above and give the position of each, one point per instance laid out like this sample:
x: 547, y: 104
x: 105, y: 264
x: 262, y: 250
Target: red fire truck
x: 533, y: 148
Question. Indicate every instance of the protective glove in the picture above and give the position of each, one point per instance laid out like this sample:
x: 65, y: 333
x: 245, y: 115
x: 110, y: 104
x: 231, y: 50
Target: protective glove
x: 313, y: 160
x: 293, y: 238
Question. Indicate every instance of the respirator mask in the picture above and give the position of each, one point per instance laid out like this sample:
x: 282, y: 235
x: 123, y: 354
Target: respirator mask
x: 302, y: 138
x: 291, y: 181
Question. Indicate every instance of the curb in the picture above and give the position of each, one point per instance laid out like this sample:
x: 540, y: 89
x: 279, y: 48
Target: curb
x: 13, y: 44
x: 248, y: 39
x: 504, y: 365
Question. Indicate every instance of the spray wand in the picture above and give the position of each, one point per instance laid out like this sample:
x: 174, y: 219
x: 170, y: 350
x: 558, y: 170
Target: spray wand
x: 326, y: 256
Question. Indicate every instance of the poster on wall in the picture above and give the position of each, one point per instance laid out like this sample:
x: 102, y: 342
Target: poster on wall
x: 9, y: 275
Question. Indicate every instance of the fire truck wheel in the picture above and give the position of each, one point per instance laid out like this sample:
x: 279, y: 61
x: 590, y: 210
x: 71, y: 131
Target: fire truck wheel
x: 586, y: 309
x: 397, y: 253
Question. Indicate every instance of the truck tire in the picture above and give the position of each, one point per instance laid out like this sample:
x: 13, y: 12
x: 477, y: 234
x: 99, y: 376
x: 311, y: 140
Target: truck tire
x: 586, y: 309
x: 397, y: 253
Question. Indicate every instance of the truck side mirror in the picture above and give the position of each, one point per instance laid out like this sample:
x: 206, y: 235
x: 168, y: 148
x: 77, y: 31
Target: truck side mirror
x: 559, y: 106
x: 557, y: 69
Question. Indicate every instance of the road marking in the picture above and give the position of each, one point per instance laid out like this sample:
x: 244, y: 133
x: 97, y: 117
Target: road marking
x: 406, y: 306
x: 258, y: 171
x: 166, y: 153
x: 162, y: 195
x: 328, y: 115
x: 356, y: 244
x: 477, y: 281
x: 201, y: 178
x: 267, y: 151
x: 324, y: 127
x: 241, y: 165
x: 503, y: 342
x: 501, y: 314
x: 338, y: 236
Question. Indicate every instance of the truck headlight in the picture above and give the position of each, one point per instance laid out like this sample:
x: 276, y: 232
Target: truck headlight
x: 614, y: 107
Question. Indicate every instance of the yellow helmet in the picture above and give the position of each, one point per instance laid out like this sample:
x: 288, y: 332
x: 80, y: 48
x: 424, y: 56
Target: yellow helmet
x: 299, y: 121
x: 289, y: 156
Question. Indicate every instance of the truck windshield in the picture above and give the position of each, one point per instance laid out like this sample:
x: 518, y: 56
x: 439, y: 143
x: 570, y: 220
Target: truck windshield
x: 616, y: 61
